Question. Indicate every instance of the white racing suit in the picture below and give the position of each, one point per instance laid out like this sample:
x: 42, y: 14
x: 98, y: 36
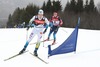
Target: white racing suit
x: 36, y: 31
x: 39, y: 25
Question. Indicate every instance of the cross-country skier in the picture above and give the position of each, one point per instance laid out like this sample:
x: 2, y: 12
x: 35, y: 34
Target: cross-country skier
x: 39, y: 22
x: 55, y: 23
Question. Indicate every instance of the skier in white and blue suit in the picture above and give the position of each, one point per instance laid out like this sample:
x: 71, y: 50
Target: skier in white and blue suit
x: 39, y: 22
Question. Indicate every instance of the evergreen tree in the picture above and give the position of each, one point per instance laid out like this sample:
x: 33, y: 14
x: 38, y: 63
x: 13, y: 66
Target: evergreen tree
x: 56, y: 6
x: 53, y: 6
x: 73, y: 5
x: 67, y: 7
x: 16, y: 16
x: 9, y: 22
x: 29, y: 12
x: 48, y: 7
x: 86, y: 6
x: 24, y: 16
x: 44, y: 6
x: 98, y: 6
x: 79, y: 6
x: 91, y: 5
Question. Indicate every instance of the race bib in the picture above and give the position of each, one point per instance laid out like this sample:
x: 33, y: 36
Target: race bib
x: 56, y: 23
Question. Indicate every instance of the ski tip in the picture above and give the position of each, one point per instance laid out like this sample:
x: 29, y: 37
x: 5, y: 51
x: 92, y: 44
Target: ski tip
x: 5, y: 60
x: 47, y: 62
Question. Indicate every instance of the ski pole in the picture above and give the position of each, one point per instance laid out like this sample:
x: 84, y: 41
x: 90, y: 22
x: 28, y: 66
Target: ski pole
x: 26, y: 35
x: 27, y: 28
x: 43, y: 40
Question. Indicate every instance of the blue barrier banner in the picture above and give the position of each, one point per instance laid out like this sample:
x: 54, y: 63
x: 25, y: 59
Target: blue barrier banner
x: 69, y: 45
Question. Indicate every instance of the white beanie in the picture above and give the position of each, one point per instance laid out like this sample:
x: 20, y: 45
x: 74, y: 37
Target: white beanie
x: 40, y: 11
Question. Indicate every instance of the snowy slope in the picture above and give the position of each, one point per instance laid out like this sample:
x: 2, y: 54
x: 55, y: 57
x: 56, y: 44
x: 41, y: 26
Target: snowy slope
x: 87, y: 54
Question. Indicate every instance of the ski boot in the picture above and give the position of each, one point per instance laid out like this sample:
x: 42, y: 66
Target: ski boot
x: 22, y: 51
x: 53, y: 42
x: 35, y: 53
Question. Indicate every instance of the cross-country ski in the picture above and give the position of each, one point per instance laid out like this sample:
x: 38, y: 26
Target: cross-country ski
x: 14, y: 56
x: 39, y: 58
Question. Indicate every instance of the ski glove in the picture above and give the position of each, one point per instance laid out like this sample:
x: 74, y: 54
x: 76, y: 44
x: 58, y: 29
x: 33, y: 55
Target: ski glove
x: 27, y: 28
x: 32, y: 25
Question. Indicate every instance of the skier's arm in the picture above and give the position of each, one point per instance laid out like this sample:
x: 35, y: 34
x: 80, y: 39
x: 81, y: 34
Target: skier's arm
x: 61, y: 22
x: 50, y: 22
x: 46, y: 21
x: 46, y: 25
x: 30, y: 22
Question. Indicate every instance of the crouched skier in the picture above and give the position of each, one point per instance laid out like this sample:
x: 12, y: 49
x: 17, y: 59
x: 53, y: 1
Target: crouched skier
x: 39, y: 22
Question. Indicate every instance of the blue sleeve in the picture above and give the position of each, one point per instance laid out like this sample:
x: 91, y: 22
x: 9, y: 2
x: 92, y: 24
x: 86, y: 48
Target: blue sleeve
x: 32, y: 25
x: 50, y: 24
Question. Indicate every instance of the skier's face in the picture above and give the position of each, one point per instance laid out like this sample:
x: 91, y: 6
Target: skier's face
x: 55, y: 14
x: 40, y: 16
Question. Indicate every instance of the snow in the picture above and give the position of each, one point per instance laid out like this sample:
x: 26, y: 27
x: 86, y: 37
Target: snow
x: 87, y: 53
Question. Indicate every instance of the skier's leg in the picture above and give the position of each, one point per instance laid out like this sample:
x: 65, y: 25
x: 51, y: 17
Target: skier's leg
x: 38, y: 43
x: 27, y: 42
x: 36, y: 48
x: 54, y: 35
x: 51, y: 30
x: 30, y: 38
